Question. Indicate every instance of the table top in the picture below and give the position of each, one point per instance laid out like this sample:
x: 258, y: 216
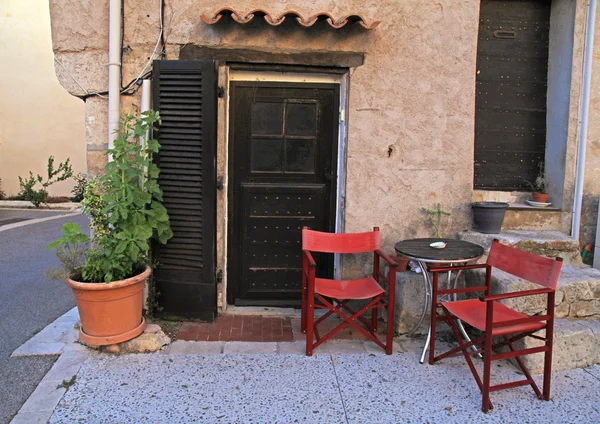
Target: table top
x: 456, y: 251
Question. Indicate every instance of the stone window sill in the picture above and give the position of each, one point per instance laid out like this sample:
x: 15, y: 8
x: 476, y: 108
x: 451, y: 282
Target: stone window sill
x: 526, y: 207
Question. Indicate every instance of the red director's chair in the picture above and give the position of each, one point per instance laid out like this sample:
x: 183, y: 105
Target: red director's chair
x: 334, y: 295
x: 497, y: 320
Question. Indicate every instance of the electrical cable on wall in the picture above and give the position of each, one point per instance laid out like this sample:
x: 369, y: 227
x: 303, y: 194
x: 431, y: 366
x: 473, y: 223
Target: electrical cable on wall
x: 132, y: 86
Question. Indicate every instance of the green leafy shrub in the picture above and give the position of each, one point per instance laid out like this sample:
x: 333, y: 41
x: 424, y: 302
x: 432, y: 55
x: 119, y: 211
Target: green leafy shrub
x: 40, y: 195
x: 79, y: 188
x: 125, y: 206
x: 70, y: 252
x: 2, y: 194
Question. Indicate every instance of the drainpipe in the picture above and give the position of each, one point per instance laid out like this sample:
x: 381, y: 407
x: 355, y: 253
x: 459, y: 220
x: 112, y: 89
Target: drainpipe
x: 146, y: 101
x: 583, y: 117
x: 114, y: 71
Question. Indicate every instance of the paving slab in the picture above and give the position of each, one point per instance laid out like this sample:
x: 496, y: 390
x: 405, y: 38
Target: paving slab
x: 151, y: 388
x: 250, y: 347
x: 397, y: 389
x: 594, y: 370
x: 53, y: 339
x: 184, y: 347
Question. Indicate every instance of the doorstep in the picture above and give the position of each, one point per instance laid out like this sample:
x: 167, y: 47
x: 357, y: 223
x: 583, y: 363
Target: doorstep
x: 260, y: 328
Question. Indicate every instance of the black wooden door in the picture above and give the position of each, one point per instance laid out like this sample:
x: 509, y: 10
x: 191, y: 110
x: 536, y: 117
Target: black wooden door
x: 510, y: 117
x: 283, y: 172
x: 185, y: 96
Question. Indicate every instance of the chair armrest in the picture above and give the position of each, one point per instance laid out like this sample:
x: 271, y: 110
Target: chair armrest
x: 458, y: 268
x: 521, y: 293
x: 311, y: 261
x: 385, y: 258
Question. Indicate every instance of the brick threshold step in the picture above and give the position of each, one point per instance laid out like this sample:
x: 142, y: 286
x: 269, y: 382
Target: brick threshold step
x: 259, y: 328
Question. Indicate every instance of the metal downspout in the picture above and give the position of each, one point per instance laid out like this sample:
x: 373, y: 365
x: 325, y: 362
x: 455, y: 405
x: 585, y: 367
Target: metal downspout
x: 114, y: 71
x: 584, y: 115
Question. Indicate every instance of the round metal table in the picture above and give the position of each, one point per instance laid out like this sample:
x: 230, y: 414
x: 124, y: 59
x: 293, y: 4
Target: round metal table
x: 456, y: 252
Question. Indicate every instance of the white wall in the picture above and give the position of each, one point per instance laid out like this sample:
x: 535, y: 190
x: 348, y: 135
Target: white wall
x: 38, y: 118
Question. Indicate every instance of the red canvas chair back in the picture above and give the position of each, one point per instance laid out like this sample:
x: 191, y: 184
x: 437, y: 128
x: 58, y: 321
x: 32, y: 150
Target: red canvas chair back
x: 316, y: 241
x: 531, y: 267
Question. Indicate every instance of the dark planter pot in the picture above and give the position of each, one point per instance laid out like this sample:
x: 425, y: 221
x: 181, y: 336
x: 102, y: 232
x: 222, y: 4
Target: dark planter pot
x: 488, y: 216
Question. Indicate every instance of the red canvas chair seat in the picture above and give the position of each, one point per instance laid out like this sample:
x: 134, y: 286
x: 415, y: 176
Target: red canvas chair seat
x: 363, y: 288
x: 497, y: 320
x: 334, y: 295
x: 473, y: 313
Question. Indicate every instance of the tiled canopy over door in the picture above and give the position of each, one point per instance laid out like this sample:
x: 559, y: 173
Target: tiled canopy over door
x: 185, y: 96
x: 512, y: 69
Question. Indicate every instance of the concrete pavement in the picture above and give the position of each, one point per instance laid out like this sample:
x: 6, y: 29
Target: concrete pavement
x: 28, y: 302
x: 224, y: 382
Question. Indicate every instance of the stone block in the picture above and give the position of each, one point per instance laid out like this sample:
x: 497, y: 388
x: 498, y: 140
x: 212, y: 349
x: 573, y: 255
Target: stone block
x: 181, y: 347
x: 545, y: 243
x: 577, y: 292
x: 87, y: 25
x: 576, y: 345
x: 146, y: 342
x: 585, y: 308
x: 152, y: 328
x: 83, y: 72
x: 96, y: 162
x: 410, y: 300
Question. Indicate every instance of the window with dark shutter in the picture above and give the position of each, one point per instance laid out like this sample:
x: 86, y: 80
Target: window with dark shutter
x: 511, y: 86
x: 184, y: 93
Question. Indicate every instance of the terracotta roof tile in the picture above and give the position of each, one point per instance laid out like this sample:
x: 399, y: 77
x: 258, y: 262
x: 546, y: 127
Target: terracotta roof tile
x: 271, y: 20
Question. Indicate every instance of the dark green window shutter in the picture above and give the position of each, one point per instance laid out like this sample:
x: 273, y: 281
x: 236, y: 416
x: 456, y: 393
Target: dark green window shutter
x: 184, y: 92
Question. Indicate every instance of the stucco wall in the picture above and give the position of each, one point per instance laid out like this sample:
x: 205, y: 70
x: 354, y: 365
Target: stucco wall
x: 415, y: 91
x: 38, y: 117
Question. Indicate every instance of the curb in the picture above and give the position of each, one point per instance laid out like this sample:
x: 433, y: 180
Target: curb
x: 56, y: 339
x: 24, y: 204
x: 37, y: 221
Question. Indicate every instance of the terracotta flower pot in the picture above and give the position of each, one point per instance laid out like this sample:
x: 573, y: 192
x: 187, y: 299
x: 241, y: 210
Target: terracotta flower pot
x: 539, y: 197
x: 110, y: 312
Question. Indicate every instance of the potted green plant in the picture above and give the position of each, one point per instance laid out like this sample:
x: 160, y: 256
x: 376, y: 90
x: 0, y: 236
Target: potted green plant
x: 126, y: 213
x: 540, y: 186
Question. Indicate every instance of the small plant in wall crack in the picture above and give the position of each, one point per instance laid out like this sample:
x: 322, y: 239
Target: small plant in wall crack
x: 435, y: 218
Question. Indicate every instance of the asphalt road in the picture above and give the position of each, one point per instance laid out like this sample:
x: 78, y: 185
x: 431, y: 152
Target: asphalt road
x: 28, y: 302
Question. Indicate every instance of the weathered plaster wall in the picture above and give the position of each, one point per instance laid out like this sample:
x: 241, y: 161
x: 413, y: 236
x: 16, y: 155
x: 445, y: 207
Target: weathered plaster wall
x: 414, y: 93
x: 38, y: 117
x: 591, y: 185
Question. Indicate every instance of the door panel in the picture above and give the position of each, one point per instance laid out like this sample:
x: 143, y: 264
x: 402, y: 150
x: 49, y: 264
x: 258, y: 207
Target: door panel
x: 283, y: 159
x: 510, y: 116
